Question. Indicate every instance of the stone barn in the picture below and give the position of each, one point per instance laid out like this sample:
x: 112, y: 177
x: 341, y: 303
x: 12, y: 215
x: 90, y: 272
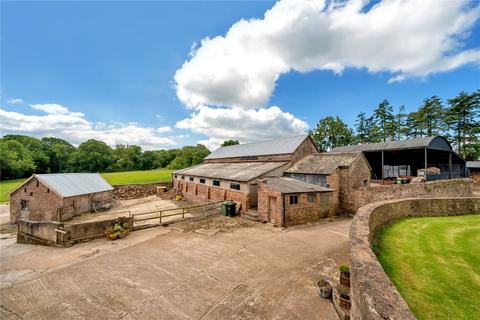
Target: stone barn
x: 59, y: 196
x: 342, y: 172
x: 285, y: 201
x: 231, y: 173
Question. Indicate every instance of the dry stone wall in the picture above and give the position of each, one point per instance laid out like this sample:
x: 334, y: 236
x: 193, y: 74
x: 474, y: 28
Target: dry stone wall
x: 373, y: 294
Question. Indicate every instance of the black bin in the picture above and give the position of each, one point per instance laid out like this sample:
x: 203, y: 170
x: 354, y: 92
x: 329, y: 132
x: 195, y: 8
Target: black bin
x: 230, y: 208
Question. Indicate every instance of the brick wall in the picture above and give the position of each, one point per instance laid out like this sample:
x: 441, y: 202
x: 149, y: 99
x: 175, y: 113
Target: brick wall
x: 264, y: 192
x: 42, y: 203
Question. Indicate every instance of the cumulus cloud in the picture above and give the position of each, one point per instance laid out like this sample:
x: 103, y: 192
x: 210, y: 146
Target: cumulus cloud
x: 221, y: 124
x: 15, y: 101
x: 404, y: 38
x: 59, y: 121
x: 164, y: 129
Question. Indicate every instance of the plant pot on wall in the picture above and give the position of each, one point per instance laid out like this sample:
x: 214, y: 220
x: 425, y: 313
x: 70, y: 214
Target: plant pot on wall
x: 344, y: 275
x: 324, y: 289
x: 344, y: 297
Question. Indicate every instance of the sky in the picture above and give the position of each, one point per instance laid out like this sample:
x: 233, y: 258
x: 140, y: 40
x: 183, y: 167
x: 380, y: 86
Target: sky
x: 168, y: 74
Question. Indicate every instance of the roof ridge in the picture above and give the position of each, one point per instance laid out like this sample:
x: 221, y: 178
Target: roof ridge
x: 268, y: 140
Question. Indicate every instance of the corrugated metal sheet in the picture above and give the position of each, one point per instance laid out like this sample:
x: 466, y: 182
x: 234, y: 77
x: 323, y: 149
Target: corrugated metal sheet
x: 74, y: 184
x: 271, y: 147
x: 323, y: 163
x: 290, y: 185
x: 239, y: 171
x: 437, y: 142
x: 473, y: 164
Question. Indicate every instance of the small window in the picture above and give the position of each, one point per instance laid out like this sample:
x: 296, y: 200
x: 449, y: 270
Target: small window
x: 312, y: 198
x: 235, y: 186
x: 294, y: 199
x: 23, y: 204
x: 183, y: 177
x: 31, y: 193
x: 48, y: 190
x: 191, y: 178
x: 175, y: 176
x: 216, y: 183
x: 37, y: 183
x: 202, y: 180
x: 24, y: 189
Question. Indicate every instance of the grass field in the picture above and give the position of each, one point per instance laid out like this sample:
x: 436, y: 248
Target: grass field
x: 114, y: 178
x: 435, y: 264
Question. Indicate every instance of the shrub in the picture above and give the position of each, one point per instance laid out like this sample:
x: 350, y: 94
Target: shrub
x: 344, y: 269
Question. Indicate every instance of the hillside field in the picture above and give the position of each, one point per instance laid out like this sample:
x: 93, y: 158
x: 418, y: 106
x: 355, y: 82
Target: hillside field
x: 114, y: 178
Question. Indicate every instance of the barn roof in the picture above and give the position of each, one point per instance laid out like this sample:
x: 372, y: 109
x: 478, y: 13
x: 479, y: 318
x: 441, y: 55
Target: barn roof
x: 437, y: 142
x: 237, y: 171
x: 324, y: 163
x: 74, y: 184
x: 283, y: 145
x: 473, y: 164
x: 290, y: 185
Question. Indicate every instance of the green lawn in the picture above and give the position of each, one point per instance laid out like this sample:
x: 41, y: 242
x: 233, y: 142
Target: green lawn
x: 114, y: 178
x: 435, y: 264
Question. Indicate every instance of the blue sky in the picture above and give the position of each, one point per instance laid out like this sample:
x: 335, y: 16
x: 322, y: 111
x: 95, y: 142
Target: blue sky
x: 113, y: 66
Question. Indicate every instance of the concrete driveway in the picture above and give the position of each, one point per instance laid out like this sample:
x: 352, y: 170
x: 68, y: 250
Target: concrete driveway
x: 257, y: 272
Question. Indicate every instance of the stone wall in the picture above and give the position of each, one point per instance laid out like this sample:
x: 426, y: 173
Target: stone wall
x: 357, y: 198
x: 354, y: 178
x: 305, y: 212
x: 373, y: 294
x: 42, y: 202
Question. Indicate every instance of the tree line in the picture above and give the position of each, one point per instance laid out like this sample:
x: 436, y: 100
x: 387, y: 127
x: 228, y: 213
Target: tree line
x: 458, y: 119
x: 20, y: 156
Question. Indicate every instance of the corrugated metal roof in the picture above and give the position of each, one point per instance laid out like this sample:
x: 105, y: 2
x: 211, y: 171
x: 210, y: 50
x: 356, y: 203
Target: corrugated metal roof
x: 290, y: 185
x: 323, y: 163
x: 74, y: 184
x: 284, y: 145
x: 238, y: 171
x: 473, y: 164
x: 391, y: 145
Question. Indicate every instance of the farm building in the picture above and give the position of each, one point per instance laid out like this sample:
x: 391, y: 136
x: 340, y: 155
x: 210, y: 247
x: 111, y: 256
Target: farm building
x: 410, y: 158
x: 59, y: 196
x: 231, y: 173
x: 286, y: 201
x: 343, y: 172
x: 473, y: 168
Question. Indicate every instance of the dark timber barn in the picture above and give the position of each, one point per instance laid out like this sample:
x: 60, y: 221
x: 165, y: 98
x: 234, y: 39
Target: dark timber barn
x: 411, y: 158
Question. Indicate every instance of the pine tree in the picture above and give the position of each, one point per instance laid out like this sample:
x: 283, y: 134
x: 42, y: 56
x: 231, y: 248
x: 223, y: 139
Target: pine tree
x: 361, y: 129
x: 385, y: 120
x: 400, y: 122
x: 431, y: 116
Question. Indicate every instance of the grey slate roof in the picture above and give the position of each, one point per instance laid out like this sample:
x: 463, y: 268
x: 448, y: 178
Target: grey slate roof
x: 238, y: 171
x: 284, y: 145
x: 392, y: 145
x: 74, y: 184
x: 323, y: 163
x: 473, y: 164
x: 290, y: 185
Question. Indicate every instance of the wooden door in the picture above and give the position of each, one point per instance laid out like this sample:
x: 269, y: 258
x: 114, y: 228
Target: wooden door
x: 272, y: 203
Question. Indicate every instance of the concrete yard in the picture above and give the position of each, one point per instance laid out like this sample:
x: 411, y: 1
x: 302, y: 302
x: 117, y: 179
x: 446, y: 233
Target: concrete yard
x: 244, y: 272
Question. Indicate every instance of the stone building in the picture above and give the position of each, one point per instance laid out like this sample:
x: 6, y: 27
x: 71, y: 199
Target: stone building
x: 285, y: 201
x: 343, y: 172
x: 59, y: 196
x: 231, y: 173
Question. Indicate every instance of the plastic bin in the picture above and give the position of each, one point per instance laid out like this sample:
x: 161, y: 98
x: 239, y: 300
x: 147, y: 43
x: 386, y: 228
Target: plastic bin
x: 224, y: 208
x: 231, y: 209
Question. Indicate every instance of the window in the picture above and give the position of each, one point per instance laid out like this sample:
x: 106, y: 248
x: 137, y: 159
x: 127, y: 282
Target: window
x: 191, y: 179
x: 183, y: 177
x: 175, y: 176
x: 24, y: 189
x: 294, y: 199
x: 312, y: 198
x: 235, y: 186
x: 216, y: 183
x: 23, y: 204
x: 48, y: 190
x: 202, y: 180
x: 31, y: 193
x: 37, y: 183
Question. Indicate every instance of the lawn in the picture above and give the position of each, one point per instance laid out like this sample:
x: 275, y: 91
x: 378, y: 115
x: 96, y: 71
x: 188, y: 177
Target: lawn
x: 114, y: 178
x: 435, y: 264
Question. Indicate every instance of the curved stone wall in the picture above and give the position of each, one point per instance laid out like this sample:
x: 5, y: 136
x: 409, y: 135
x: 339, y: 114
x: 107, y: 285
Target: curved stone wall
x: 373, y: 294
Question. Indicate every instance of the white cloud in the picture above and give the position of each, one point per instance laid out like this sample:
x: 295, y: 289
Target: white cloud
x: 15, y: 101
x: 59, y: 121
x: 51, y: 108
x: 221, y: 124
x: 405, y: 38
x: 164, y: 129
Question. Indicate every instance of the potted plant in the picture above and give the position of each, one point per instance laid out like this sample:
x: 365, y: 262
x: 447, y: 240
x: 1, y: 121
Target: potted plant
x: 344, y: 275
x: 344, y: 297
x: 119, y: 230
x: 324, y: 289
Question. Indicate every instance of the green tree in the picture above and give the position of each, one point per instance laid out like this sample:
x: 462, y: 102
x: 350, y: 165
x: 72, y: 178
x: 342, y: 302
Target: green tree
x: 330, y: 133
x: 462, y: 117
x: 400, y: 123
x: 385, y: 120
x: 148, y: 161
x: 189, y: 156
x: 92, y: 156
x: 37, y: 150
x: 362, y: 134
x: 230, y: 142
x: 127, y: 157
x: 15, y: 160
x: 59, y: 151
x: 164, y: 157
x: 430, y: 116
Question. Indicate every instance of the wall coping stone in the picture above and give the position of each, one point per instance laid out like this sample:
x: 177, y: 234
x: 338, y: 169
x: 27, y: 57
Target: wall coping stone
x: 374, y: 296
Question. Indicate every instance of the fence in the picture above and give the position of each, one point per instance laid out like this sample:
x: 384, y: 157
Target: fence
x: 166, y: 216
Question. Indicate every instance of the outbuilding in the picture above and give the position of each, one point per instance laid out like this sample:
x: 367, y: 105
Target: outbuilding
x: 59, y: 196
